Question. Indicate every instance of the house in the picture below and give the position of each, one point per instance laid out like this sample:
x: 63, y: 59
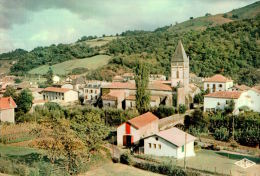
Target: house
x: 118, y: 78
x: 164, y: 92
x: 157, y: 77
x: 130, y: 101
x: 92, y: 91
x: 171, y: 143
x: 7, y: 106
x: 137, y: 128
x: 242, y: 87
x: 56, y: 79
x: 62, y: 95
x: 218, y: 83
x: 114, y: 99
x: 67, y: 86
x: 221, y: 99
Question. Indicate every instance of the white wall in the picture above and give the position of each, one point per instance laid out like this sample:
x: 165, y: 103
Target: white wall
x: 167, y: 148
x: 121, y: 132
x: 219, y: 86
x: 7, y: 115
x: 255, y: 100
x: 216, y: 103
x: 71, y: 96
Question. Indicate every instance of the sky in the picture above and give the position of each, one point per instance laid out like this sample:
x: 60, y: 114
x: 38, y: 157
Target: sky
x: 27, y: 24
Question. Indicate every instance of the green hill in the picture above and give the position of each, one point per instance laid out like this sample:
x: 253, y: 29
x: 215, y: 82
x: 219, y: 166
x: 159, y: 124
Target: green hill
x: 68, y: 66
x: 201, y: 23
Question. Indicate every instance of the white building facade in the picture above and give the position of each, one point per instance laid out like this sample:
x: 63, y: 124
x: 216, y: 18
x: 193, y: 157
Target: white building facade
x: 62, y: 95
x: 218, y: 83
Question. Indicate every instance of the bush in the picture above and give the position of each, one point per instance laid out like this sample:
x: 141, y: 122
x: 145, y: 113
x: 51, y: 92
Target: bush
x: 222, y: 134
x: 182, y: 108
x: 125, y: 158
x: 163, y: 111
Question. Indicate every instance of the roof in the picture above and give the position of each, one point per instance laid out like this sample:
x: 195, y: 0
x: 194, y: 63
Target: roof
x: 225, y: 94
x: 120, y: 85
x: 56, y: 89
x: 7, y: 103
x: 117, y: 77
x: 113, y: 95
x: 242, y: 87
x: 132, y: 97
x: 129, y: 74
x: 143, y: 120
x: 179, y: 54
x: 128, y: 85
x: 176, y: 136
x: 218, y: 78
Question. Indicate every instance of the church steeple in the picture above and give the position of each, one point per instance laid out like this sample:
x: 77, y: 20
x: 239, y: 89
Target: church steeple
x: 179, y: 54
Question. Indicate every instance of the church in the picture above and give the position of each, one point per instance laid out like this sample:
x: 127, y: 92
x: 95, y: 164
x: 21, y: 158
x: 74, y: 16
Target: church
x: 121, y: 94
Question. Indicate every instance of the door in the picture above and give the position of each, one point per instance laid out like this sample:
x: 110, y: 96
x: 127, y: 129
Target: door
x: 127, y: 140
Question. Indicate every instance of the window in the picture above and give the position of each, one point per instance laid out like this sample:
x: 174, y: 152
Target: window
x: 150, y: 145
x: 91, y: 97
x: 177, y: 74
x: 96, y: 97
x: 95, y: 91
x: 218, y: 103
x: 220, y: 85
x: 156, y: 138
x: 160, y: 147
x: 131, y: 104
x: 154, y: 146
x: 182, y: 148
x: 227, y: 101
x: 91, y: 91
x: 207, y: 85
x: 214, y: 87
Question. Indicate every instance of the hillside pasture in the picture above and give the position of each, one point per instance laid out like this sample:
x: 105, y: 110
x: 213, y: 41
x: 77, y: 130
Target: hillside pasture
x: 66, y: 67
x: 99, y: 41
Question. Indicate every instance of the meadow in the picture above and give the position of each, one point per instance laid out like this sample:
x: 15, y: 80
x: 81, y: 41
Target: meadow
x: 67, y: 66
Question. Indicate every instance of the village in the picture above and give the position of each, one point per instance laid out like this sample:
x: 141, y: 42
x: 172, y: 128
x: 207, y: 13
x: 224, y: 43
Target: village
x: 145, y: 134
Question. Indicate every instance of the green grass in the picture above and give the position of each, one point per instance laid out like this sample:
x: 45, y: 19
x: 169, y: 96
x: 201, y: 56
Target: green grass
x: 67, y: 66
x: 18, y: 151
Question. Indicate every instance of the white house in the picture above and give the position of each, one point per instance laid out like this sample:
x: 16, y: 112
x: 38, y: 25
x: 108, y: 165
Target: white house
x: 170, y: 142
x: 62, y: 95
x: 139, y: 127
x: 130, y: 101
x: 218, y: 83
x: 55, y: 79
x: 249, y: 99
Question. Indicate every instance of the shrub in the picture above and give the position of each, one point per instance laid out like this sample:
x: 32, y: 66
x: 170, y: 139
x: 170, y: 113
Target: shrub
x: 182, y: 108
x: 221, y: 134
x: 125, y: 158
x: 163, y: 111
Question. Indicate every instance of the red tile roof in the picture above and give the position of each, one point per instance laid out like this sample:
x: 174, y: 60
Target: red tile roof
x: 143, y: 120
x: 132, y: 97
x: 7, y: 103
x: 176, y: 136
x: 56, y: 89
x: 242, y: 87
x: 113, y: 95
x: 127, y: 85
x: 218, y: 78
x: 225, y: 94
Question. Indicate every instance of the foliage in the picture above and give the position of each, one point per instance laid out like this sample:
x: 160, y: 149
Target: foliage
x: 49, y: 77
x: 230, y: 107
x: 163, y: 111
x: 141, y: 82
x: 182, y: 108
x: 125, y: 158
x: 50, y: 55
x: 17, y: 80
x: 79, y: 70
x: 10, y: 92
x: 221, y: 134
x: 24, y: 101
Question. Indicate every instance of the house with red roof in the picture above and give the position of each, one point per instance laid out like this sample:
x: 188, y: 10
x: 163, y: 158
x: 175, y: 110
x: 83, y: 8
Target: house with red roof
x: 121, y: 94
x: 218, y: 82
x: 133, y: 130
x: 7, y: 106
x: 172, y: 142
x: 62, y: 95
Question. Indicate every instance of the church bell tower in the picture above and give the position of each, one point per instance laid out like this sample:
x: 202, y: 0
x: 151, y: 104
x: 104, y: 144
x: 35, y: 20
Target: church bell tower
x: 180, y: 68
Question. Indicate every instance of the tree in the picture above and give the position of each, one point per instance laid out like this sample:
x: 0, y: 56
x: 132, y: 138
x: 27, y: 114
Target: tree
x: 49, y: 76
x: 10, y: 92
x: 191, y: 18
x: 24, y: 101
x: 182, y: 108
x: 230, y: 107
x: 141, y: 82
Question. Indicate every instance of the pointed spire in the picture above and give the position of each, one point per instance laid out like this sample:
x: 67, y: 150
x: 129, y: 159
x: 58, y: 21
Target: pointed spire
x: 179, y: 55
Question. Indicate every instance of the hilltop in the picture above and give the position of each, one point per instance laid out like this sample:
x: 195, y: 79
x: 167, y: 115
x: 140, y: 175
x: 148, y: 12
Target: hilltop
x: 202, y: 23
x: 223, y: 43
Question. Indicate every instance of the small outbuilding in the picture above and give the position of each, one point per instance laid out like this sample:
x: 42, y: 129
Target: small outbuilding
x: 133, y: 130
x: 7, y: 106
x: 170, y: 142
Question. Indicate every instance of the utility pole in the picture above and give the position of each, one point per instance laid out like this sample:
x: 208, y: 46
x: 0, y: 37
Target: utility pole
x: 233, y: 128
x: 185, y: 151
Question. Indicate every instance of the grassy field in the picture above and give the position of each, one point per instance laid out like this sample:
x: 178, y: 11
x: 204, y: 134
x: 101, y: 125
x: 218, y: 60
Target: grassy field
x: 5, y: 66
x: 116, y: 169
x: 66, y: 67
x: 213, y: 161
x: 99, y: 41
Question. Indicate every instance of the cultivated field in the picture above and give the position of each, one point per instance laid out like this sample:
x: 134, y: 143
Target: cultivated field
x: 67, y: 66
x: 99, y: 41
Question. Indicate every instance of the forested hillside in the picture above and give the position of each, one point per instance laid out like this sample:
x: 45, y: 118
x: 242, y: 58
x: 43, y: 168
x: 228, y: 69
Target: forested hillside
x: 231, y: 49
